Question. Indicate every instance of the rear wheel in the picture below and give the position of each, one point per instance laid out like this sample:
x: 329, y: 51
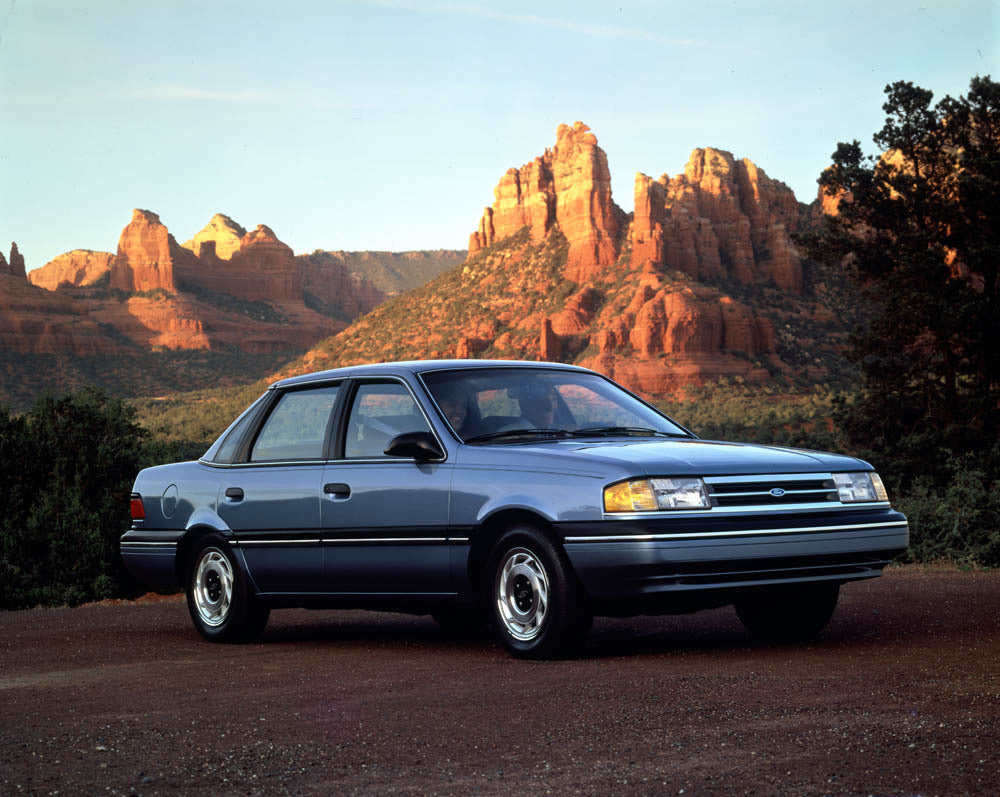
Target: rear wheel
x: 219, y: 599
x: 537, y: 608
x: 788, y: 614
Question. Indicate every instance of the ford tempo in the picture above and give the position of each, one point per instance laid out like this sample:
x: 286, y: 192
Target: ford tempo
x: 530, y: 496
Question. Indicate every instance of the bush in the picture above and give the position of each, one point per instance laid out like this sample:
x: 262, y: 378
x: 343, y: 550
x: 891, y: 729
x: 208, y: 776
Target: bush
x: 66, y: 471
x: 958, y: 520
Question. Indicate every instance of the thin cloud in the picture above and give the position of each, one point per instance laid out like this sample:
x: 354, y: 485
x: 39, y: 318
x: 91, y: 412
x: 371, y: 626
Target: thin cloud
x: 191, y: 93
x: 602, y: 31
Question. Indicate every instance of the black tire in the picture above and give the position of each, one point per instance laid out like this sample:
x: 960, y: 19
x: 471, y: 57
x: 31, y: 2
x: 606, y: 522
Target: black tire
x: 788, y: 614
x: 535, y: 603
x: 220, y: 602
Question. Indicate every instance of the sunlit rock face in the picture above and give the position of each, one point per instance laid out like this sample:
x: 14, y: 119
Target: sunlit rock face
x: 699, y: 285
x: 222, y: 233
x: 721, y: 219
x: 79, y: 268
x: 148, y: 256
x: 568, y: 185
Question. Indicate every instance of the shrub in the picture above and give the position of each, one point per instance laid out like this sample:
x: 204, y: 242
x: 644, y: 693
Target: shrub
x: 959, y: 519
x: 66, y: 471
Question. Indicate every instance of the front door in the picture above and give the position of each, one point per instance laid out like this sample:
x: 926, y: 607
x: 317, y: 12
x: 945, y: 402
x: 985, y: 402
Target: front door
x: 385, y: 519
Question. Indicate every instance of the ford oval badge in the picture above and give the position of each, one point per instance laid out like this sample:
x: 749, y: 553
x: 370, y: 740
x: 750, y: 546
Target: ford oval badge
x: 777, y: 492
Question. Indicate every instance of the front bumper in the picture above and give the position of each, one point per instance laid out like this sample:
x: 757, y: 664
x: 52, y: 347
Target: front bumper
x: 639, y: 558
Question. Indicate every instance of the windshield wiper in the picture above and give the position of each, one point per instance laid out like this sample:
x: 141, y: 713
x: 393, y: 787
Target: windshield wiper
x: 482, y: 438
x: 604, y: 431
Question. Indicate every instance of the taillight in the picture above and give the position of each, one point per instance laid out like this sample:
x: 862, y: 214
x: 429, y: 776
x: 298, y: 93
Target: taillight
x: 138, y: 513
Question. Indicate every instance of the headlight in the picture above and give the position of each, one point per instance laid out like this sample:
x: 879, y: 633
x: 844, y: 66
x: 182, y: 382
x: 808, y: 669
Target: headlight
x: 650, y: 495
x: 855, y: 487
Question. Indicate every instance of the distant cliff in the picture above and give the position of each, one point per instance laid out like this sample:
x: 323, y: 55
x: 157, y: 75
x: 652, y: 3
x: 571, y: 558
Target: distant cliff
x: 233, y: 295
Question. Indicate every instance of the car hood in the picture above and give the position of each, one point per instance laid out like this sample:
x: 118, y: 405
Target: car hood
x: 672, y: 457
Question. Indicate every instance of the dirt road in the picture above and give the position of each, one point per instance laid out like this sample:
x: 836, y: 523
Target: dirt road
x: 901, y: 695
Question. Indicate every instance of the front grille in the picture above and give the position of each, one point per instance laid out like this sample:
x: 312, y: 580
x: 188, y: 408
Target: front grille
x: 772, y: 491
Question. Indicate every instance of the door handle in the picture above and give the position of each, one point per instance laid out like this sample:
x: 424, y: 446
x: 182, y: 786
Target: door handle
x: 338, y: 489
x: 236, y: 493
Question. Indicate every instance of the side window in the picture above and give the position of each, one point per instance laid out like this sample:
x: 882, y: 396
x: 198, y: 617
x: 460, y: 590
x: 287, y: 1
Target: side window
x: 296, y: 427
x: 227, y: 451
x: 380, y: 412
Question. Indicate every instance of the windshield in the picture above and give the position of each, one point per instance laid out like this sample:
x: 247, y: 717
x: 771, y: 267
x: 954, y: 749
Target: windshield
x: 507, y: 404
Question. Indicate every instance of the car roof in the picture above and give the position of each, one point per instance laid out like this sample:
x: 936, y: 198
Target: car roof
x: 414, y: 367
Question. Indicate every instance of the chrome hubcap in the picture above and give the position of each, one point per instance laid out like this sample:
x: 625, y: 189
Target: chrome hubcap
x: 213, y: 587
x: 522, y: 594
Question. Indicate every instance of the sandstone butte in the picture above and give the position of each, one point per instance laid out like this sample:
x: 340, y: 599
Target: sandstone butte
x: 182, y: 297
x: 663, y: 300
x: 37, y: 321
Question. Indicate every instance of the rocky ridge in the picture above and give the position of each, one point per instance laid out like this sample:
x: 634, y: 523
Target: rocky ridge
x: 237, y: 298
x: 252, y: 296
x: 37, y: 321
x: 394, y: 272
x: 702, y: 283
x: 79, y: 268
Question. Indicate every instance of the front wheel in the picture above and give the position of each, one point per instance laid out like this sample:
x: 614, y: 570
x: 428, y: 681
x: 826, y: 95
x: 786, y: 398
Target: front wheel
x: 537, y: 608
x: 219, y: 600
x: 788, y: 614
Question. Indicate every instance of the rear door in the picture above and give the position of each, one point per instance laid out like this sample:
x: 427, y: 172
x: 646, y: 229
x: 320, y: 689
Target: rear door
x: 271, y: 500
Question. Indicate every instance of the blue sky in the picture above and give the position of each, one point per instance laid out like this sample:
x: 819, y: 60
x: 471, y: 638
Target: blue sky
x: 386, y: 124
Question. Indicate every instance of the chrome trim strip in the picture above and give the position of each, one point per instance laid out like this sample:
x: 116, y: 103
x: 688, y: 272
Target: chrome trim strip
x: 145, y: 544
x: 314, y: 540
x: 774, y: 508
x: 741, y: 533
x: 766, y: 493
x: 271, y: 463
x: 382, y: 461
x: 394, y: 540
x: 767, y: 477
x: 336, y: 540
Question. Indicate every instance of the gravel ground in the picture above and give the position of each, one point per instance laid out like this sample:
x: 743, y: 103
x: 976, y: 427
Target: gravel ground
x: 900, y: 695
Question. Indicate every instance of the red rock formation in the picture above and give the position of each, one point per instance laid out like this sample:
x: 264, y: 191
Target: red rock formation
x: 76, y: 269
x: 36, y: 321
x: 16, y: 265
x: 261, y: 269
x: 326, y: 278
x: 570, y: 185
x: 469, y: 348
x: 722, y: 218
x: 270, y: 264
x: 224, y: 234
x: 578, y: 313
x: 549, y: 345
x: 148, y: 256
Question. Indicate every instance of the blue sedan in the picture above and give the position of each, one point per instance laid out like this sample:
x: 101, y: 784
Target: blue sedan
x: 532, y: 496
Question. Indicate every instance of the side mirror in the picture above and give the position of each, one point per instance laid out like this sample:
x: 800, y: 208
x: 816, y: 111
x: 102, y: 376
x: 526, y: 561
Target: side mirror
x: 419, y: 445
